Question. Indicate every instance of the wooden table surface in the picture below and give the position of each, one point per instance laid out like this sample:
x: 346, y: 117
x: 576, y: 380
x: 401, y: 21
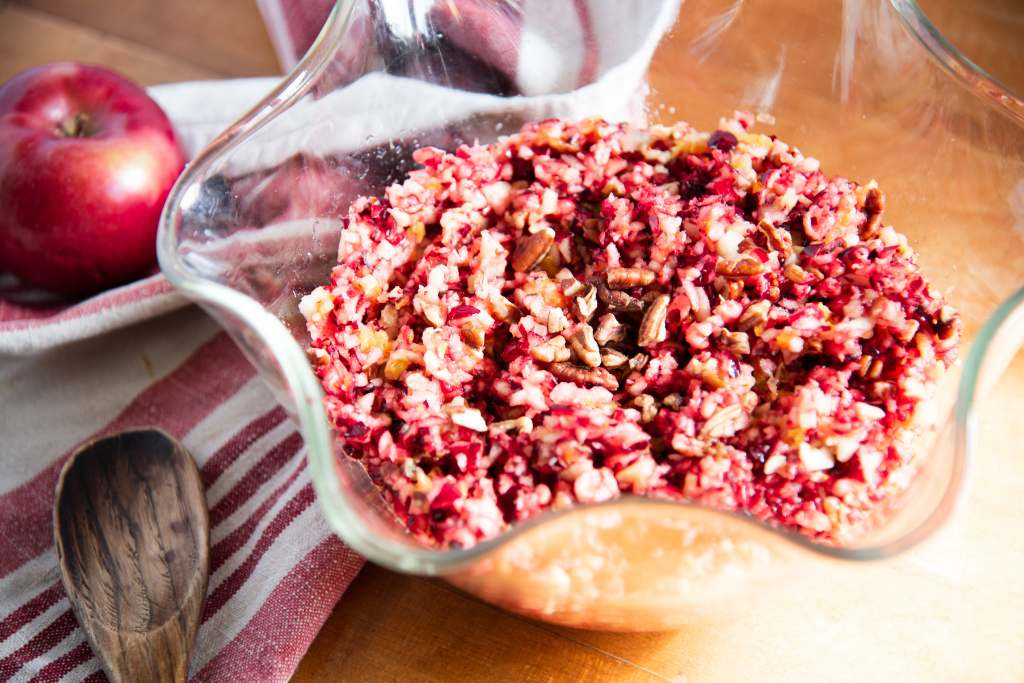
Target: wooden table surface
x: 397, y: 628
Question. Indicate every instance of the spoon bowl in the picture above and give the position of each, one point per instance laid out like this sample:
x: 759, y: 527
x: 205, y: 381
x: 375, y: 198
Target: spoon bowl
x: 131, y: 530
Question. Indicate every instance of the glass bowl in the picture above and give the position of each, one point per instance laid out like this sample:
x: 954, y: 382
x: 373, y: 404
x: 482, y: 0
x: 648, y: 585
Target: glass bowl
x: 869, y: 87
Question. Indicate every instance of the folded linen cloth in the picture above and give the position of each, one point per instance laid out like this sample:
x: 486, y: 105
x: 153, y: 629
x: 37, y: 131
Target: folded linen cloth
x: 71, y: 372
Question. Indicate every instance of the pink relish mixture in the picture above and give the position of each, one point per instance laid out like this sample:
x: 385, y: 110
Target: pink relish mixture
x: 585, y: 310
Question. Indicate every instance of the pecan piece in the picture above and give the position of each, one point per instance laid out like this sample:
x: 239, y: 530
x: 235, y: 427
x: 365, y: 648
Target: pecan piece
x: 639, y: 361
x: 610, y: 358
x: 585, y: 346
x: 551, y: 351
x: 673, y: 401
x: 874, y: 206
x: 746, y: 266
x: 730, y: 289
x: 795, y: 273
x: 473, y: 333
x: 755, y: 315
x: 318, y: 356
x: 609, y: 329
x: 592, y: 230
x: 647, y: 406
x: 725, y: 422
x: 571, y: 286
x: 580, y: 375
x: 623, y: 278
x: 531, y: 249
x: 586, y: 304
x: 501, y: 308
x: 557, y: 321
x: 777, y: 239
x: 737, y: 342
x: 617, y: 300
x: 523, y: 425
x: 946, y: 323
x: 652, y: 327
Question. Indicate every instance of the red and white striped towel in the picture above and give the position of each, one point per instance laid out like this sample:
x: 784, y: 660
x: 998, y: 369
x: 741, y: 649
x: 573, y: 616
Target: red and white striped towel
x: 277, y: 569
x: 86, y: 370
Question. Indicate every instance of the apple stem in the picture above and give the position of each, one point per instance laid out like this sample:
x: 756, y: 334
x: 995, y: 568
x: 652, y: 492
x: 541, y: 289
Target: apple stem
x: 76, y: 126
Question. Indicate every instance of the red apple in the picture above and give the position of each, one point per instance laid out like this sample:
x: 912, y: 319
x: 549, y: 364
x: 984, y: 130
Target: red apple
x: 86, y: 162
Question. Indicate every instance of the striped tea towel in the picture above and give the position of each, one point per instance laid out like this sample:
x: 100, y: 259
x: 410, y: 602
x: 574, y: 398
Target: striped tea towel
x: 276, y: 568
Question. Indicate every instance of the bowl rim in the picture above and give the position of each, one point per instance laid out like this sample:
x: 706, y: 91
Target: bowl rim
x: 958, y: 65
x: 308, y: 394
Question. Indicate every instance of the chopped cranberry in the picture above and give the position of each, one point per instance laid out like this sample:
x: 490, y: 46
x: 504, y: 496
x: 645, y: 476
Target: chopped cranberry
x: 462, y: 311
x: 724, y: 185
x: 723, y: 140
x: 522, y: 169
x: 445, y: 498
x: 356, y: 430
x: 463, y: 456
x: 508, y: 502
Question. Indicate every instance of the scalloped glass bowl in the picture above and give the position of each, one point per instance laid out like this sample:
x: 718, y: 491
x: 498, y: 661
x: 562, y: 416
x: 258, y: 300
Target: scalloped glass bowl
x: 872, y: 90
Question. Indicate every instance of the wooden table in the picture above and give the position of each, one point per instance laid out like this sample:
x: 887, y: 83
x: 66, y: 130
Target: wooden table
x: 948, y: 611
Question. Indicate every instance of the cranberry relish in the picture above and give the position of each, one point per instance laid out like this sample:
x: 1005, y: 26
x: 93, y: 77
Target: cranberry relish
x: 587, y: 309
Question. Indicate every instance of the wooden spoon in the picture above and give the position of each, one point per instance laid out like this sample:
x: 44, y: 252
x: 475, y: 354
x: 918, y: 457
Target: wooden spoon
x: 133, y: 543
